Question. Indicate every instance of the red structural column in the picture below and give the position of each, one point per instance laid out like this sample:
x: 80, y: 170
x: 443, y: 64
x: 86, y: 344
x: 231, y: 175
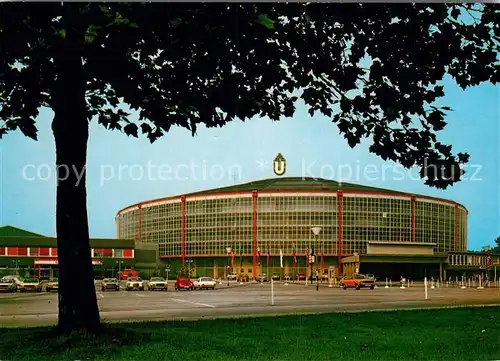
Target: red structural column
x: 254, y: 233
x: 413, y: 218
x: 118, y: 227
x: 183, y: 228
x: 456, y: 227
x: 139, y: 222
x: 339, y: 230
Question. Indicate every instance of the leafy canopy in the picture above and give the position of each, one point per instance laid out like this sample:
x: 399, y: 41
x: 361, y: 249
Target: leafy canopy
x: 374, y: 69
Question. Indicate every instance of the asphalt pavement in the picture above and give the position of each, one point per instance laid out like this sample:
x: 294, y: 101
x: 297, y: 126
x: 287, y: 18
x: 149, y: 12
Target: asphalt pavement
x: 18, y: 309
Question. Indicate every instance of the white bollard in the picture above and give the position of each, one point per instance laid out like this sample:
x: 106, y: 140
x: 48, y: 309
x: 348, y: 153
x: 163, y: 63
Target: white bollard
x: 469, y: 282
x: 408, y: 283
x: 480, y: 285
x: 432, y: 283
x: 386, y: 283
x: 272, y: 292
x: 463, y: 282
x: 425, y: 286
x: 390, y: 283
x: 402, y: 285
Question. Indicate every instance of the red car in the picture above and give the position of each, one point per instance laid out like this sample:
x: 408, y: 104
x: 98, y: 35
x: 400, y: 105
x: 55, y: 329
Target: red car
x: 123, y: 275
x: 183, y: 284
x: 301, y: 277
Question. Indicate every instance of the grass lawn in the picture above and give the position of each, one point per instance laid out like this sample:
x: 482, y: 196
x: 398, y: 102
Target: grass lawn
x: 449, y: 334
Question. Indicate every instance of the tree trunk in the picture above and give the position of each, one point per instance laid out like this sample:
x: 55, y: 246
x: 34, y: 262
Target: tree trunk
x: 78, y: 307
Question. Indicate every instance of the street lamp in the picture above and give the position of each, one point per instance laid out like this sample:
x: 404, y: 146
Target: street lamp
x: 119, y: 267
x: 189, y: 261
x: 16, y: 262
x: 315, y: 231
x: 228, y: 249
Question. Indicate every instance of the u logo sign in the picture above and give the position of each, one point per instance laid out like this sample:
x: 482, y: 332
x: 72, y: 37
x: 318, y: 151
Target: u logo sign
x: 279, y: 165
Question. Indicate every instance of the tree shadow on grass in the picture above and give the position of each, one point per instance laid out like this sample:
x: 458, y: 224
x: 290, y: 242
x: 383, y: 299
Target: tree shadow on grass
x: 47, y: 343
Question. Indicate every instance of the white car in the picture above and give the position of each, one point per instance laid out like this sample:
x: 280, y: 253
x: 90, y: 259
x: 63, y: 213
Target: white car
x: 30, y: 284
x: 134, y: 283
x: 204, y: 282
x: 157, y: 283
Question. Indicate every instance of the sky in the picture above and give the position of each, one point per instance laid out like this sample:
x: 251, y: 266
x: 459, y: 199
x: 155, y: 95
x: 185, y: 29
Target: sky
x: 241, y: 152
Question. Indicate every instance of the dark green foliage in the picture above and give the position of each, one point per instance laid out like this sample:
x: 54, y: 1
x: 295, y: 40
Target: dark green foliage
x: 190, y: 64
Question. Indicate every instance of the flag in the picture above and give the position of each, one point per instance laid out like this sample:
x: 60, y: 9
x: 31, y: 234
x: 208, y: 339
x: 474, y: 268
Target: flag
x: 294, y: 254
x: 307, y: 258
x: 232, y: 258
x: 258, y: 255
x: 268, y: 258
x: 241, y: 258
x: 322, y: 261
x: 281, y: 258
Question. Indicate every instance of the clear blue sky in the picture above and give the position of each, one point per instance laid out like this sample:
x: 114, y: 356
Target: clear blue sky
x: 311, y: 146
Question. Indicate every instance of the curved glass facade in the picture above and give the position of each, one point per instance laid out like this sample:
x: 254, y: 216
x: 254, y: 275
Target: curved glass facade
x: 249, y: 222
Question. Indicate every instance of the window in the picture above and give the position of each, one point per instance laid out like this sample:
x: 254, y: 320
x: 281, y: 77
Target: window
x: 12, y: 251
x: 53, y: 252
x: 44, y: 252
x: 118, y: 253
x: 127, y: 253
x: 34, y: 251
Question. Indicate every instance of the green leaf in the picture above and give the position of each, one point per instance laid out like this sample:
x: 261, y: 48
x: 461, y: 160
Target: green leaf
x: 131, y: 129
x: 61, y: 33
x: 265, y: 21
x: 175, y: 22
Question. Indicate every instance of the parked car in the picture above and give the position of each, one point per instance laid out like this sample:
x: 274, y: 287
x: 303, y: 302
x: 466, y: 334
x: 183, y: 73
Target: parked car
x: 301, y: 277
x: 243, y: 277
x: 233, y: 276
x: 183, y: 283
x: 262, y: 278
x: 134, y: 283
x: 8, y: 285
x: 126, y: 274
x: 30, y: 284
x: 17, y: 279
x: 157, y: 283
x: 52, y: 285
x: 110, y: 284
x: 371, y: 276
x: 357, y: 281
x: 204, y: 282
x: 276, y: 277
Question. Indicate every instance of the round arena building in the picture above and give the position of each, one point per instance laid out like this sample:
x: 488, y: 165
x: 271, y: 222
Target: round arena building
x: 269, y: 226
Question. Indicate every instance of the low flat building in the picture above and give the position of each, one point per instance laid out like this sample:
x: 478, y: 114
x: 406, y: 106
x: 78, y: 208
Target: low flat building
x: 36, y: 255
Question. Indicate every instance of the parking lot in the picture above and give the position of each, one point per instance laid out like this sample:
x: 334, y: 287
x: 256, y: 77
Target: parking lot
x: 238, y: 300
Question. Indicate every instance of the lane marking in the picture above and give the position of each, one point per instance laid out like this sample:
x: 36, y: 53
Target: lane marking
x: 100, y: 295
x: 193, y: 303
